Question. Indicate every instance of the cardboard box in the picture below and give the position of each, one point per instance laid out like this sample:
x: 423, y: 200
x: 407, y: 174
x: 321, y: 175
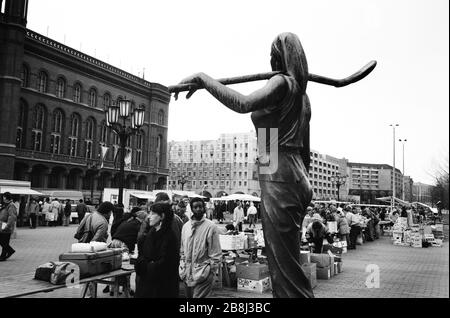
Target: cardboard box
x: 339, y: 267
x: 232, y: 242
x: 332, y: 226
x: 257, y: 286
x: 252, y: 271
x: 335, y: 250
x: 310, y: 272
x: 305, y: 257
x: 335, y: 269
x: 322, y: 260
x: 323, y: 272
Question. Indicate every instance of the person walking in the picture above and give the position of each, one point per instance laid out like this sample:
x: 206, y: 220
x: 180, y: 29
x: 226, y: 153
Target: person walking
x: 32, y: 210
x: 67, y: 212
x: 55, y: 207
x: 81, y: 210
x: 200, y: 252
x: 238, y: 216
x: 251, y: 215
x: 354, y: 222
x: 157, y: 262
x: 8, y: 216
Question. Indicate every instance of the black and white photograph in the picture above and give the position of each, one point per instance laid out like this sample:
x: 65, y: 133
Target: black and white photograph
x: 224, y: 154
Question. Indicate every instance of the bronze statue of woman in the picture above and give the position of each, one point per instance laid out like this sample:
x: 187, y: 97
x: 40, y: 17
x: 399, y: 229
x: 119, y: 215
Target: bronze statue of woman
x: 281, y: 104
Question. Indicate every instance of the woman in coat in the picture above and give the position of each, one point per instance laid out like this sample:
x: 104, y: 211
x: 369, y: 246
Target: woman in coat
x: 282, y: 104
x: 157, y: 264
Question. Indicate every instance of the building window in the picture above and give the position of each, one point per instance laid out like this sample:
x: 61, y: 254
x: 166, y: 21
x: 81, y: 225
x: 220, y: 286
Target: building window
x: 158, y: 151
x: 89, y: 138
x: 60, y: 88
x: 92, y: 97
x: 38, y: 126
x: 106, y: 100
x: 55, y: 139
x: 25, y: 75
x: 21, y: 125
x: 42, y: 82
x: 104, y: 134
x: 77, y: 93
x: 139, y: 146
x: 161, y: 117
x: 73, y: 138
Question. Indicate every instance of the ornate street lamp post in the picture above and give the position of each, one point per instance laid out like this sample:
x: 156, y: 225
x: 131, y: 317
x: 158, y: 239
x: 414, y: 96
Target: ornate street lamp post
x: 338, y: 180
x: 116, y: 117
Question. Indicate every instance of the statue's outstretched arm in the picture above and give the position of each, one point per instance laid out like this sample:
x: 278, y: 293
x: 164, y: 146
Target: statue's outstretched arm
x: 269, y: 95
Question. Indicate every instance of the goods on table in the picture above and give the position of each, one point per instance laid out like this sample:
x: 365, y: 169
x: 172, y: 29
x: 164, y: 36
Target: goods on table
x: 88, y: 247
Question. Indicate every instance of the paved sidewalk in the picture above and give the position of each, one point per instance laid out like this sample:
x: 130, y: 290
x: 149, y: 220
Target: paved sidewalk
x: 404, y: 271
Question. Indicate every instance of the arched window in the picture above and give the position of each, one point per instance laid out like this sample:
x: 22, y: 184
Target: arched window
x: 55, y: 138
x: 21, y: 125
x: 38, y: 127
x: 77, y: 93
x: 159, y: 151
x: 60, y: 88
x: 139, y: 147
x: 161, y: 117
x: 24, y: 75
x: 73, y: 138
x: 89, y: 141
x: 106, y: 100
x: 104, y: 134
x: 42, y: 82
x: 92, y: 97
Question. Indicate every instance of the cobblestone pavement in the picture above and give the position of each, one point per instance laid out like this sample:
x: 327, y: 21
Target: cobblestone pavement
x: 404, y: 271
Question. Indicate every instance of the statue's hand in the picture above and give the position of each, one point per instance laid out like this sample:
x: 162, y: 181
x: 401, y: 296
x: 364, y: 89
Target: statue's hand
x: 193, y: 79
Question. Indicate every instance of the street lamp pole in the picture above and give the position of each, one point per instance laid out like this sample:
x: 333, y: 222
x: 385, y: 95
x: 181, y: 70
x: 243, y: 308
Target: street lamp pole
x: 338, y: 180
x: 403, y: 141
x: 113, y: 115
x: 393, y: 164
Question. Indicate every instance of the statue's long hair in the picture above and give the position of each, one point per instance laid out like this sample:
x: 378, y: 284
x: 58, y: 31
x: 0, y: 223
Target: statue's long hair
x: 288, y: 48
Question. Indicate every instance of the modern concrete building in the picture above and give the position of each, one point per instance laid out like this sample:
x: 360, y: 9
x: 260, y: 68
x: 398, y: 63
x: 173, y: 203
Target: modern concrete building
x: 52, y: 102
x: 223, y: 166
x: 370, y: 181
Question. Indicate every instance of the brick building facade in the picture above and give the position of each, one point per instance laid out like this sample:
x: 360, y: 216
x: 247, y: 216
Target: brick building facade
x: 52, y: 102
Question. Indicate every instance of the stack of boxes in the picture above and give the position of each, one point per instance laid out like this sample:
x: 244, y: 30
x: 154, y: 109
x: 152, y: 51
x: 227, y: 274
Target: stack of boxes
x: 253, y: 277
x: 310, y: 269
x: 325, y: 268
x: 415, y: 236
x: 438, y: 232
x: 398, y: 231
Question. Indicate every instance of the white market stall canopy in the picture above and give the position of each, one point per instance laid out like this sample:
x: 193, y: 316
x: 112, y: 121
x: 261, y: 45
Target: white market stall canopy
x: 64, y: 194
x: 240, y: 197
x: 434, y: 210
x: 388, y: 199
x: 170, y: 193
x: 143, y: 195
x: 19, y: 190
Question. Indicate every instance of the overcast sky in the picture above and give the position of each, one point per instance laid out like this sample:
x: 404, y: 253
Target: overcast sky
x: 174, y: 39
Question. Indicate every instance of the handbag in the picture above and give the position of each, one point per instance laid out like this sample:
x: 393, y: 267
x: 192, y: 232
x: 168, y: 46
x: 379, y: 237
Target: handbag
x: 84, y: 233
x: 55, y: 273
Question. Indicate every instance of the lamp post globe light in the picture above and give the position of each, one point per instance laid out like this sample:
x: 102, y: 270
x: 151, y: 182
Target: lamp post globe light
x: 338, y: 180
x: 116, y: 119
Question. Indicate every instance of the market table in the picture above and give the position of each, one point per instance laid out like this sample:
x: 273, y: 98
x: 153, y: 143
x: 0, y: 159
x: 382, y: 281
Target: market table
x: 25, y: 284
